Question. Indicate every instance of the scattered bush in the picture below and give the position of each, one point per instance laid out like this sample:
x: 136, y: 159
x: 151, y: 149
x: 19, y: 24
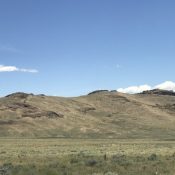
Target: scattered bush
x: 152, y: 157
x: 91, y: 162
x: 118, y: 158
x: 73, y: 160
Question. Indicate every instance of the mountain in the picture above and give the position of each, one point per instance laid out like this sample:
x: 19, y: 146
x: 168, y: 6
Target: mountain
x: 100, y: 114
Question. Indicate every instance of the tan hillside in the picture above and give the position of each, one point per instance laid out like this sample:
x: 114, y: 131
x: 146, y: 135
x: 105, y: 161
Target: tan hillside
x: 101, y: 114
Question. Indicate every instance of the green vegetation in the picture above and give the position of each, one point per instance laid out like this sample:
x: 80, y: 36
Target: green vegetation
x: 86, y: 157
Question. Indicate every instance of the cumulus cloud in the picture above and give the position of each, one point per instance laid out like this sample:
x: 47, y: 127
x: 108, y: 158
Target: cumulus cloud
x: 167, y: 85
x: 14, y: 68
x: 134, y: 89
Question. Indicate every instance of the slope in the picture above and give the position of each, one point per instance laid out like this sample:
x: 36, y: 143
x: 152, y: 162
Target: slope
x: 101, y: 114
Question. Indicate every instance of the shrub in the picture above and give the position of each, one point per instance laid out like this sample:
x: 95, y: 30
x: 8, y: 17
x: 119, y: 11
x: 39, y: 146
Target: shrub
x: 91, y: 162
x: 152, y: 157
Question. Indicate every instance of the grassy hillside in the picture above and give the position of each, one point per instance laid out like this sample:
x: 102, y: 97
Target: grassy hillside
x: 97, y: 115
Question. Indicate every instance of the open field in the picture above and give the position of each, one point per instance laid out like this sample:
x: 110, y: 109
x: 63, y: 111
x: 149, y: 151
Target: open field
x: 86, y: 157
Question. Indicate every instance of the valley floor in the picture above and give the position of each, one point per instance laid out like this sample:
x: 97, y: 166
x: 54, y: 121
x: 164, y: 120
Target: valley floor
x: 86, y: 157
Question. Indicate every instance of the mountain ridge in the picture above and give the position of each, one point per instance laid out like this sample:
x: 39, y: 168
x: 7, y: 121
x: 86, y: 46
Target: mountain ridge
x: 100, y: 114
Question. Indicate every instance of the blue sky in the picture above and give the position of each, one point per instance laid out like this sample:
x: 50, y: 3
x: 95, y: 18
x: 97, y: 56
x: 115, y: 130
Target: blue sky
x: 71, y: 47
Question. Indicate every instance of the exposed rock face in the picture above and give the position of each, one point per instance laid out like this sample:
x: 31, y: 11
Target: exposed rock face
x: 87, y: 109
x: 20, y: 95
x: 18, y: 103
x: 159, y: 92
x: 98, y: 91
x: 23, y: 106
x: 169, y: 107
x: 113, y: 91
x: 8, y: 122
x: 48, y: 114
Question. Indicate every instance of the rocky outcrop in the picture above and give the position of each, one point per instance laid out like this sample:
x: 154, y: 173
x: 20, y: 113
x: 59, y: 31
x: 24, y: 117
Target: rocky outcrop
x: 27, y: 110
x: 48, y: 114
x: 20, y: 95
x: 97, y: 91
x: 22, y: 106
x: 86, y: 109
x: 159, y: 92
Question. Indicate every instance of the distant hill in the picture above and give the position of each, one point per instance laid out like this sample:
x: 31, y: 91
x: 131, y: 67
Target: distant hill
x: 100, y: 114
x: 159, y: 92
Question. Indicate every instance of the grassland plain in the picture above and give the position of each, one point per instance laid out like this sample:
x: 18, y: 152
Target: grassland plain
x: 86, y: 157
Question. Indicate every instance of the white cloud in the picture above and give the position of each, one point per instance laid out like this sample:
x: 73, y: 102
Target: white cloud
x: 167, y: 85
x: 29, y: 70
x: 134, y: 89
x: 14, y: 68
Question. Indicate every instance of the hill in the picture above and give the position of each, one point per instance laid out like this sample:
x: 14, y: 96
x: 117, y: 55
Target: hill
x: 100, y: 114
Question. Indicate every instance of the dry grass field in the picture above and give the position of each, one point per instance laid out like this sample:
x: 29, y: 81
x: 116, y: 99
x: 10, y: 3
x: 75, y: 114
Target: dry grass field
x: 97, y: 115
x: 86, y: 157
